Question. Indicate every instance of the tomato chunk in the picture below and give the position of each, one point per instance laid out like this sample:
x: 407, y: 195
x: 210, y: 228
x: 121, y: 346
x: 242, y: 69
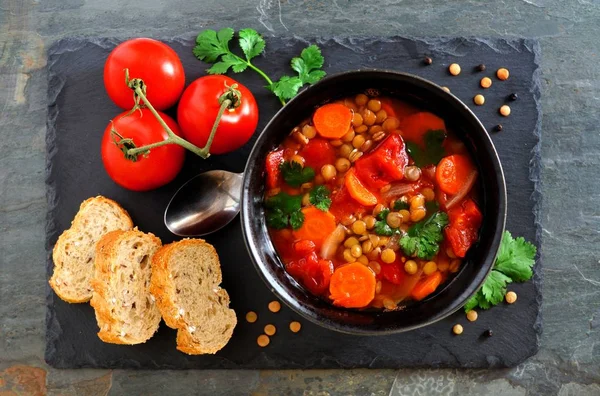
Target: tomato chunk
x: 312, y: 273
x: 463, y: 230
x: 393, y: 272
x: 318, y: 152
x: 274, y: 159
x: 383, y: 165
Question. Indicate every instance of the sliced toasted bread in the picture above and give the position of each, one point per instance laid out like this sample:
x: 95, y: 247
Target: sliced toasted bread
x: 185, y: 281
x: 125, y: 310
x: 73, y: 254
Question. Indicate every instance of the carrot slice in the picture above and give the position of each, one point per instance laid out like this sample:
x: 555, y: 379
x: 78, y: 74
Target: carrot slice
x: 358, y: 191
x: 426, y: 286
x: 316, y: 227
x: 332, y: 120
x: 415, y: 126
x: 453, y: 172
x: 352, y: 286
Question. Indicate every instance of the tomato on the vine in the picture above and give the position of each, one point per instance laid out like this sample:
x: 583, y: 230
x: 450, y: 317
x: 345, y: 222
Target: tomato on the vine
x: 152, y: 61
x: 198, y: 109
x: 145, y: 172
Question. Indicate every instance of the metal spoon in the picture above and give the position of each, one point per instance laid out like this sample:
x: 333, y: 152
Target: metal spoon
x: 204, y: 204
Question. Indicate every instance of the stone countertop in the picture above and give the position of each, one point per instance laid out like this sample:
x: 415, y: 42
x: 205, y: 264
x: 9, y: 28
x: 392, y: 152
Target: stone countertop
x: 569, y: 359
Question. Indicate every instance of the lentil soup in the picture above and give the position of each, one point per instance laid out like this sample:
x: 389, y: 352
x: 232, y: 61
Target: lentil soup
x: 371, y: 202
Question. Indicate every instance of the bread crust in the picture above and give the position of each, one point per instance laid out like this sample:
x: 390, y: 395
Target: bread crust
x: 63, y: 261
x: 163, y: 288
x: 107, y: 249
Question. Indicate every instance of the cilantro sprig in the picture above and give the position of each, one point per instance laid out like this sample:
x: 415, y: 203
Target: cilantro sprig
x: 433, y: 152
x: 515, y: 261
x: 283, y: 210
x: 294, y: 174
x: 213, y: 47
x: 319, y: 197
x: 423, y: 239
x: 382, y: 227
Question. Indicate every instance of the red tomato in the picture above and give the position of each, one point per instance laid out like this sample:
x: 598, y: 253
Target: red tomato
x: 393, y: 273
x: 154, y: 62
x: 463, y: 230
x: 343, y: 204
x: 318, y: 152
x: 311, y: 272
x: 272, y: 163
x: 158, y: 168
x: 384, y: 164
x: 198, y: 110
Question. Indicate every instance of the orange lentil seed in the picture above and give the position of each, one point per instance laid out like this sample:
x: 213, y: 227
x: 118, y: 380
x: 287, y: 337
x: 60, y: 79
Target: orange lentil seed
x: 454, y: 69
x: 274, y: 306
x: 479, y: 100
x: 457, y: 329
x: 511, y: 297
x: 504, y: 110
x: 295, y: 326
x: 270, y: 330
x: 485, y: 82
x: 446, y: 89
x: 263, y: 340
x: 502, y: 74
x: 251, y: 317
x: 472, y: 316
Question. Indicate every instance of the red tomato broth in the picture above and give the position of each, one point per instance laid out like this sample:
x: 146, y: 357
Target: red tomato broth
x: 378, y: 169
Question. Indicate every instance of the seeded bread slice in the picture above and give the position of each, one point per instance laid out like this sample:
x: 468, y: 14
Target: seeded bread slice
x: 185, y: 281
x: 73, y: 254
x: 125, y: 310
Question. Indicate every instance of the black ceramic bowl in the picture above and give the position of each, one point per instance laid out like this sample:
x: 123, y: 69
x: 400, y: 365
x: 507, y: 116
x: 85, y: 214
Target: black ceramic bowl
x: 480, y: 259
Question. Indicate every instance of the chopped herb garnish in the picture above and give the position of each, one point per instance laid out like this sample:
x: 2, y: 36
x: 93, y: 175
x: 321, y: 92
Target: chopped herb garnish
x: 295, y: 175
x: 284, y: 209
x: 423, y: 239
x: 213, y: 47
x: 434, y: 151
x: 515, y: 261
x: 382, y: 227
x: 401, y: 205
x: 319, y: 197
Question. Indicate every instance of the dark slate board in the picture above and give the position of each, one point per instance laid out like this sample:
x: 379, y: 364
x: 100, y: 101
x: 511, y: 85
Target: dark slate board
x: 79, y: 110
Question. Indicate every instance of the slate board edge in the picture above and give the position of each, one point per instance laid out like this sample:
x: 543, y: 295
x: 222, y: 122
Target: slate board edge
x: 75, y: 43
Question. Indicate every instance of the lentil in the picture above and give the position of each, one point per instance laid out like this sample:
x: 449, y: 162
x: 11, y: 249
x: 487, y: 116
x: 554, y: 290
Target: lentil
x: 367, y: 247
x: 378, y: 287
x: 380, y: 116
x: 485, y: 82
x: 348, y: 256
x: 443, y: 266
x: 428, y: 193
x: 319, y: 180
x: 363, y: 260
x: 361, y: 99
x: 446, y: 89
x: 350, y: 242
x: 388, y: 256
x: 328, y: 172
x: 348, y: 136
x: 356, y: 250
x: 411, y: 267
x: 488, y: 333
x: 251, y: 317
x: 357, y: 120
x: 348, y: 219
x: 430, y: 267
x: 498, y: 128
x: 375, y: 266
x: 366, y: 145
x: 361, y: 129
x: 511, y: 297
x: 472, y: 316
x: 369, y: 221
x: 390, y: 124
x: 336, y: 142
x: 374, y: 254
x: 309, y: 131
x: 270, y: 330
x: 378, y: 208
x: 374, y: 105
x: 412, y: 173
x: 345, y: 150
x: 388, y: 303
x: 378, y: 136
x: 394, y: 219
x: 427, y: 60
x: 479, y: 100
x: 263, y: 340
x: 454, y: 69
x: 513, y: 96
x: 359, y: 227
x: 368, y: 117
x: 374, y: 129
x: 505, y: 110
x: 417, y: 215
x: 480, y: 67
x: 405, y: 214
x: 502, y: 74
x: 295, y: 326
x: 354, y: 155
x: 274, y: 306
x: 306, y: 199
x: 358, y: 141
x: 457, y: 329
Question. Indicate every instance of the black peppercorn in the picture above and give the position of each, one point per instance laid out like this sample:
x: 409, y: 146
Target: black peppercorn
x: 488, y: 333
x: 428, y: 61
x: 498, y: 128
x: 513, y: 96
x: 480, y: 67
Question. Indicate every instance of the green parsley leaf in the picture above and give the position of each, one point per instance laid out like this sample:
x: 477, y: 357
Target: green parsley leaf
x: 295, y: 175
x: 284, y: 209
x: 514, y: 263
x: 434, y: 151
x: 494, y: 287
x: 401, y: 205
x: 228, y: 61
x: 287, y: 87
x: 319, y: 197
x: 423, y: 238
x: 251, y: 43
x: 210, y: 45
x: 381, y: 225
x: 383, y: 214
x: 296, y: 219
x: 516, y: 258
x: 307, y: 66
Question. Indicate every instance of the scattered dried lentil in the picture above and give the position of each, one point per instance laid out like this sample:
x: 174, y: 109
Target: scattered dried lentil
x: 446, y: 89
x: 457, y: 329
x: 251, y: 317
x: 488, y: 333
x: 504, y: 110
x: 513, y: 96
x: 511, y: 297
x: 270, y: 330
x: 479, y: 100
x: 480, y: 67
x: 472, y: 316
x: 295, y: 326
x: 485, y: 82
x: 498, y: 128
x: 454, y: 69
x: 502, y: 74
x: 274, y: 306
x: 427, y: 60
x: 263, y: 340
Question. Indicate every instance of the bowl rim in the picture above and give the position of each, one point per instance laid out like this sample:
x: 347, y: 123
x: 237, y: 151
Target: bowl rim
x: 279, y: 290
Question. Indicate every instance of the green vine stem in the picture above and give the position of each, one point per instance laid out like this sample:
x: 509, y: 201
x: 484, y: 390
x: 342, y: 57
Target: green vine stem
x: 231, y: 99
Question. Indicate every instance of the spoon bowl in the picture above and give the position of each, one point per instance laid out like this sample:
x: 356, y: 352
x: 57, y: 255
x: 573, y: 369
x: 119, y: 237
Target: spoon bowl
x: 204, y: 204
